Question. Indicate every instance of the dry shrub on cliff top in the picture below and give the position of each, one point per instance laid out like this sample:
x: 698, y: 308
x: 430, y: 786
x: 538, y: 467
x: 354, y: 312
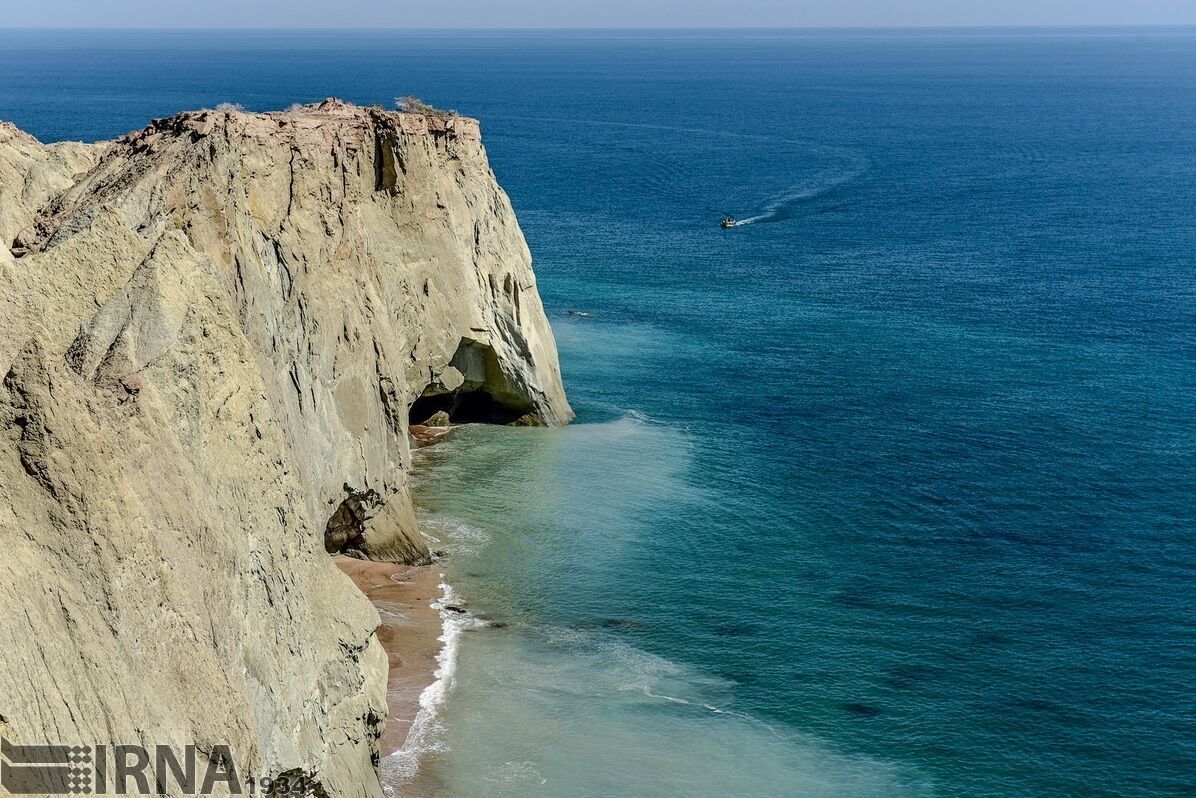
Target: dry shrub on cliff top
x: 414, y: 105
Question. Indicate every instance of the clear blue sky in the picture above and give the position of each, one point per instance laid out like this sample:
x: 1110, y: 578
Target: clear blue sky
x: 591, y: 13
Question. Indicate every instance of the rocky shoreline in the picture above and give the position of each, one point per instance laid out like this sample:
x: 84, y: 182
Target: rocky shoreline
x: 409, y: 631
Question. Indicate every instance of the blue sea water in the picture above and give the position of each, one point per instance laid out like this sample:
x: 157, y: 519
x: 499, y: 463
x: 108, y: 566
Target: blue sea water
x: 888, y: 492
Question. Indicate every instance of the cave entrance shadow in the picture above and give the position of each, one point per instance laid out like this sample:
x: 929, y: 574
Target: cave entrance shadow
x: 472, y: 389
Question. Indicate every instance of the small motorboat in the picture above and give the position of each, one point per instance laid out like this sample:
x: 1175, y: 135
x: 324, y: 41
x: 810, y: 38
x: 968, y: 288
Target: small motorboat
x: 728, y: 222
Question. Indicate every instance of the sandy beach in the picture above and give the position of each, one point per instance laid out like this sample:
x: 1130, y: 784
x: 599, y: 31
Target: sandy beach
x: 410, y: 633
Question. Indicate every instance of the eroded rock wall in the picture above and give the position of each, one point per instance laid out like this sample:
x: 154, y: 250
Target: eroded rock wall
x: 211, y: 333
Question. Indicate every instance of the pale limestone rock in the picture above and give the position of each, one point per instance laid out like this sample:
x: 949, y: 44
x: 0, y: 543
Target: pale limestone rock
x: 31, y: 174
x: 211, y: 332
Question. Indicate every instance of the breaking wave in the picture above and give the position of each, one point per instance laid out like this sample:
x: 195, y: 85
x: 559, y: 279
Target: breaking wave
x: 426, y: 735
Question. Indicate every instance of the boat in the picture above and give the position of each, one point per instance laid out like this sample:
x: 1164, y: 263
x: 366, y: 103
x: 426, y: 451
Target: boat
x: 728, y: 222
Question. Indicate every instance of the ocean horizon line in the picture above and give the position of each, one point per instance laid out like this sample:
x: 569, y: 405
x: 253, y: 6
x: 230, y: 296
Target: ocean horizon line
x: 1054, y: 27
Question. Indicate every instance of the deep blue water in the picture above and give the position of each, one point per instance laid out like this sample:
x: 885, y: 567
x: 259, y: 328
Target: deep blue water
x: 887, y: 492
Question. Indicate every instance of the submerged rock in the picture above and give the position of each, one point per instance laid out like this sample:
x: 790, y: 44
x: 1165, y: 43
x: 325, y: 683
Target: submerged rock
x: 862, y: 710
x: 527, y: 420
x: 211, y: 333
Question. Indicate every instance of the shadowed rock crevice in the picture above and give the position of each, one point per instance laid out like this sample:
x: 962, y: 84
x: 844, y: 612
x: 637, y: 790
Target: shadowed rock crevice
x: 296, y: 781
x: 345, y: 532
x: 386, y: 171
x: 369, y: 526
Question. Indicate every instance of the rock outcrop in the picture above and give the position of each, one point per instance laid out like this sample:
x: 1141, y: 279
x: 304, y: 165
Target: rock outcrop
x: 214, y: 334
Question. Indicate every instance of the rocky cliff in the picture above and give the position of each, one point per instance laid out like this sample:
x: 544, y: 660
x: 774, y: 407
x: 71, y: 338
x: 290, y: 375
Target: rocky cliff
x: 214, y: 333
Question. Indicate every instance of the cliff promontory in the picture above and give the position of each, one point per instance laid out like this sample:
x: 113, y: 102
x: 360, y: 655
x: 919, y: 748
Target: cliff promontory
x: 214, y: 334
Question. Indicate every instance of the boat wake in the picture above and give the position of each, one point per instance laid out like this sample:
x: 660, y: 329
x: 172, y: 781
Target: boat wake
x: 672, y: 174
x: 787, y: 204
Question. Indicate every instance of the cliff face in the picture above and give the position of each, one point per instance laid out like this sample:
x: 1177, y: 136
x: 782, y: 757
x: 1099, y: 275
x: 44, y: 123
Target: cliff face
x: 213, y: 335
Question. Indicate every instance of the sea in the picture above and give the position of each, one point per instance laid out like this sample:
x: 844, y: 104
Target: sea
x: 886, y: 491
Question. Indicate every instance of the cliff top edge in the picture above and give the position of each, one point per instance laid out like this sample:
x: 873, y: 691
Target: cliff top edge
x: 328, y: 113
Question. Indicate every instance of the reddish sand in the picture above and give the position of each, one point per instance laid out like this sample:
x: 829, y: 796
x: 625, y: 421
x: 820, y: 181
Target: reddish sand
x: 426, y: 436
x: 409, y: 632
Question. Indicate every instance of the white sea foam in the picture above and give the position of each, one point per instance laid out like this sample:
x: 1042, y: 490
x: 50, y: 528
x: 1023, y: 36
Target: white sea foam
x: 555, y: 706
x: 453, y: 536
x: 426, y: 735
x: 631, y: 414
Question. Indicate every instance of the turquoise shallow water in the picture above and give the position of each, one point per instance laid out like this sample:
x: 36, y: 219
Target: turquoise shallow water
x: 886, y: 493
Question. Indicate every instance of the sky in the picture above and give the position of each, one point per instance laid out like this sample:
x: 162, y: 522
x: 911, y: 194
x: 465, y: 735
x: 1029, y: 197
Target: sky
x: 591, y: 13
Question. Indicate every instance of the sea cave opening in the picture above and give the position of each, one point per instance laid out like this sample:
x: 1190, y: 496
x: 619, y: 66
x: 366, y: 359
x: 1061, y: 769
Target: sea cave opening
x: 472, y: 389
